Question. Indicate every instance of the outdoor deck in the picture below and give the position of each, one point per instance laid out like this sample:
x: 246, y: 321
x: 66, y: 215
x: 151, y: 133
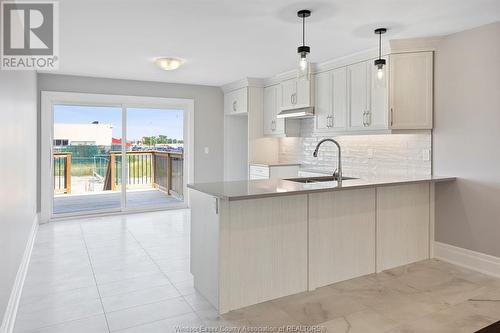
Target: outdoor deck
x: 75, y: 203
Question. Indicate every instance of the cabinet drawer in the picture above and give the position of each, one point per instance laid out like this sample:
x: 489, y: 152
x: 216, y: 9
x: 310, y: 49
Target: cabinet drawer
x: 257, y: 170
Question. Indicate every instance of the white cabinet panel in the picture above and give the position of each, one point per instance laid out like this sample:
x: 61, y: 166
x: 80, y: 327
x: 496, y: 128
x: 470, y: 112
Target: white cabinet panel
x: 323, y: 100
x: 236, y: 101
x: 330, y: 101
x: 288, y: 93
x: 339, y: 102
x: 411, y: 97
x: 272, y: 125
x: 403, y: 215
x: 358, y: 95
x: 341, y: 236
x: 263, y: 250
x: 296, y: 94
x: 303, y: 93
x: 273, y: 171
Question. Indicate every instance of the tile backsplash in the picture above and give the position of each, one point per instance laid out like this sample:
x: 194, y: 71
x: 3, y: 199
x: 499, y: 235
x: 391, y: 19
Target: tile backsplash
x: 378, y: 155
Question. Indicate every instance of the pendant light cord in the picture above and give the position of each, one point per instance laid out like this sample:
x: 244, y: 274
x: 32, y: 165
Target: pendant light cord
x: 380, y: 46
x: 303, y: 30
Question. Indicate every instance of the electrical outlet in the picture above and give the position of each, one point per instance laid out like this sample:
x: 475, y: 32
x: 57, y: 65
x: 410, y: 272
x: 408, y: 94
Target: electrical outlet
x: 426, y: 154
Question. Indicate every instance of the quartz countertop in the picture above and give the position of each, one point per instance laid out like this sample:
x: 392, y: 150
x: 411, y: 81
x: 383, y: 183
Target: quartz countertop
x: 252, y: 189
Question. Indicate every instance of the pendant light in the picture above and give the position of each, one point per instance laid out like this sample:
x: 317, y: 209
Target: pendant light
x: 304, y: 66
x: 380, y: 62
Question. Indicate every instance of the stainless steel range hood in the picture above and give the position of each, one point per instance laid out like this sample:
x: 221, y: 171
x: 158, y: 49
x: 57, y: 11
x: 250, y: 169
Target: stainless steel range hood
x: 296, y: 113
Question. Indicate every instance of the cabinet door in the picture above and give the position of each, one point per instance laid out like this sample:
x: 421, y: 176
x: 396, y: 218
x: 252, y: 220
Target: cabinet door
x: 303, y: 97
x: 341, y: 236
x: 377, y: 117
x: 323, y: 101
x: 358, y: 95
x: 402, y: 225
x: 235, y: 101
x: 411, y: 81
x: 272, y: 125
x: 269, y: 109
x: 279, y: 122
x: 339, y: 102
x: 288, y: 94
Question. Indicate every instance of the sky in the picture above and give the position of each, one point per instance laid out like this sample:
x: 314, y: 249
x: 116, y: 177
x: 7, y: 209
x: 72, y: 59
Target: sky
x: 140, y: 122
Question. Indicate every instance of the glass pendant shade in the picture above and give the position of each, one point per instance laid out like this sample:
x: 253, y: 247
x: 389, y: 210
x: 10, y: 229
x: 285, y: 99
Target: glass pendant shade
x: 304, y: 71
x: 380, y: 73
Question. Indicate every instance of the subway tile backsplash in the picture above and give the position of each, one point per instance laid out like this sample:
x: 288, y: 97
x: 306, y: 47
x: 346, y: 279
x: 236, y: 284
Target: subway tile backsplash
x: 378, y: 155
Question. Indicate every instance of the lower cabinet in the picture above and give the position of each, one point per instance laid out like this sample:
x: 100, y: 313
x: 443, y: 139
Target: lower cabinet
x: 359, y: 232
x: 403, y: 223
x: 341, y: 236
x: 259, y: 171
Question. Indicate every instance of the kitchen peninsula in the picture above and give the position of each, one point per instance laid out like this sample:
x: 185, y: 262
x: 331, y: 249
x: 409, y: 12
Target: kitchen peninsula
x: 253, y: 241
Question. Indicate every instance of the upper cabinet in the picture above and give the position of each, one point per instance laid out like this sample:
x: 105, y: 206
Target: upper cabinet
x: 411, y: 86
x: 330, y: 100
x: 358, y: 94
x: 367, y: 97
x: 272, y: 125
x: 236, y: 101
x: 296, y: 94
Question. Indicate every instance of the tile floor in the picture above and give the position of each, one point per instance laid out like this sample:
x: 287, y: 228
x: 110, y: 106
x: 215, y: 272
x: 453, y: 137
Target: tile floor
x: 131, y: 274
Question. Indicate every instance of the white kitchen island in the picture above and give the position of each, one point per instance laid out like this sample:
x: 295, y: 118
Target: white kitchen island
x: 253, y: 241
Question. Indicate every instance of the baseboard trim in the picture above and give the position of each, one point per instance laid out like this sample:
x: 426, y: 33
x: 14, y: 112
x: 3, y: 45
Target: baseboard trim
x: 9, y: 318
x: 477, y: 261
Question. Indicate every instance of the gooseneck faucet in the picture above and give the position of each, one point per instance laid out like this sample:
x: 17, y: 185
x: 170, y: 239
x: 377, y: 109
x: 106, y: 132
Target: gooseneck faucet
x: 337, y: 173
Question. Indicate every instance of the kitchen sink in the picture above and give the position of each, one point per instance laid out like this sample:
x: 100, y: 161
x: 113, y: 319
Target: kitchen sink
x: 317, y: 179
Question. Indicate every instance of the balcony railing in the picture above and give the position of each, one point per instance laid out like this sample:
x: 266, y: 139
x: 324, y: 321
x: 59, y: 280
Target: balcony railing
x: 62, y: 173
x: 161, y: 170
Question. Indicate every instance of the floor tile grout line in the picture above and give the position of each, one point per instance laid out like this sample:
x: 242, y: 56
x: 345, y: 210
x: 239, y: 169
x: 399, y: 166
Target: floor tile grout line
x: 95, y: 280
x: 166, y: 276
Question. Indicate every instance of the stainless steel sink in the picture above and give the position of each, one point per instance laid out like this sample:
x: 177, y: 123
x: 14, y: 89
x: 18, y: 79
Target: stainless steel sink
x: 317, y: 179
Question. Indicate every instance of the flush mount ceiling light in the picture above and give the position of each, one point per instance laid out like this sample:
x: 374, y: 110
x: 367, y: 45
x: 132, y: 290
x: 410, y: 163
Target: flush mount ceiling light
x: 169, y: 64
x: 304, y: 67
x: 380, y: 62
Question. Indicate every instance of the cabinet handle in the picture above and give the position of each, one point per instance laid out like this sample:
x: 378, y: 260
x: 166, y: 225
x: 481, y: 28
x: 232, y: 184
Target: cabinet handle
x: 392, y: 116
x: 273, y: 125
x: 332, y: 117
x: 364, y: 118
x: 234, y: 105
x: 293, y: 98
x: 368, y: 117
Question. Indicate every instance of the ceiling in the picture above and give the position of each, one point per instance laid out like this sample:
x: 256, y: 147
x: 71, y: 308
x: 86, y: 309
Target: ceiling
x: 226, y: 40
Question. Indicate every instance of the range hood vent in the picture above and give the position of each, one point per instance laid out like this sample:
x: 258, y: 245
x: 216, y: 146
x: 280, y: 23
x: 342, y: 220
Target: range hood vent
x: 296, y: 113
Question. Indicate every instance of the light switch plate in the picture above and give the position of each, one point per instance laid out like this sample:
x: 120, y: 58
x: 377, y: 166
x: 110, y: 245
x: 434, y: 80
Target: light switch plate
x: 206, y: 150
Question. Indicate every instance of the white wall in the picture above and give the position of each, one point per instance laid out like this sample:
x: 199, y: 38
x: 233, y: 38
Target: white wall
x: 208, y: 112
x: 18, y: 134
x: 467, y: 139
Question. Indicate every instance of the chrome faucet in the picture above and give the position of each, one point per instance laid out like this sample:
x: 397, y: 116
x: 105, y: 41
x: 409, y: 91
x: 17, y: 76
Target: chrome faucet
x: 338, y: 172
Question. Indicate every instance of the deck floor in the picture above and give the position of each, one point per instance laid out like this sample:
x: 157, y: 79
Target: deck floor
x: 74, y: 203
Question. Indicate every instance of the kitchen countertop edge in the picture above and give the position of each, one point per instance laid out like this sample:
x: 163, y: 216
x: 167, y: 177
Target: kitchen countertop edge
x: 301, y: 189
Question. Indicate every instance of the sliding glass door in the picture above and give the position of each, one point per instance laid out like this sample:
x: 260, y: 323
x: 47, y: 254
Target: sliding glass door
x: 154, y: 156
x: 86, y: 145
x: 107, y: 158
